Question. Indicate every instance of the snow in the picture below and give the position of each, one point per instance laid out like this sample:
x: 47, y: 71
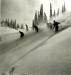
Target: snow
x: 64, y: 19
x: 13, y: 52
x: 36, y: 54
x: 8, y: 34
x: 53, y: 58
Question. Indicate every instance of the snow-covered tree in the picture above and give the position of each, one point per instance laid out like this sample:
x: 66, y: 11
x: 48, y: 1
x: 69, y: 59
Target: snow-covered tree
x: 18, y: 26
x: 64, y: 7
x: 50, y: 10
x: 45, y: 17
x: 58, y: 11
x: 14, y: 24
x: 36, y: 18
x: 11, y: 23
x: 54, y: 14
x: 22, y: 26
x: 41, y: 12
x: 33, y: 24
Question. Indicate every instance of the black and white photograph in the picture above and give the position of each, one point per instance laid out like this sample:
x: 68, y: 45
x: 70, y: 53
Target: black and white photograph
x: 35, y: 37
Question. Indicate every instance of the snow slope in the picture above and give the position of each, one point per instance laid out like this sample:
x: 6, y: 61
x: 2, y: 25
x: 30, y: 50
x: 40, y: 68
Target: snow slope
x: 12, y: 53
x: 8, y: 34
x: 53, y: 58
x: 35, y: 55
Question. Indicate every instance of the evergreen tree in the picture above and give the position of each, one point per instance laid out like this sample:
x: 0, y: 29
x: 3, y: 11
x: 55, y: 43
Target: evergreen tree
x: 11, y: 23
x: 18, y: 26
x: 45, y: 17
x: 41, y: 12
x: 14, y: 24
x: 64, y: 7
x: 50, y: 10
x: 54, y: 14
x: 58, y: 11
x: 27, y: 28
x: 8, y: 23
x: 33, y: 24
x: 36, y: 18
x: 22, y: 26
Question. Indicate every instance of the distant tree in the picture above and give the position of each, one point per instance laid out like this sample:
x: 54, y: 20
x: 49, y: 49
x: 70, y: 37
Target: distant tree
x: 11, y: 24
x: 18, y: 26
x: 54, y: 14
x: 8, y: 22
x: 45, y: 17
x: 58, y: 11
x: 33, y: 24
x: 22, y: 26
x: 2, y: 22
x: 36, y: 18
x: 14, y: 24
x: 64, y: 7
x: 27, y: 28
x: 41, y: 11
x: 50, y: 10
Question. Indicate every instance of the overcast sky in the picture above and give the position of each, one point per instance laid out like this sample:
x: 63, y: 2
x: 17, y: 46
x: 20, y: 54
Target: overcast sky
x: 23, y: 10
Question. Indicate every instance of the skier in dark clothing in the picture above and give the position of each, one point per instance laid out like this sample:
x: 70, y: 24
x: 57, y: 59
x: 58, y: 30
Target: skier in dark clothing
x: 36, y: 28
x: 56, y: 26
x: 21, y: 34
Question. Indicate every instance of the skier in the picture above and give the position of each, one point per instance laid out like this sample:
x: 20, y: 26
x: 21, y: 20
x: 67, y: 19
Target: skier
x: 36, y: 28
x: 56, y: 26
x: 21, y: 34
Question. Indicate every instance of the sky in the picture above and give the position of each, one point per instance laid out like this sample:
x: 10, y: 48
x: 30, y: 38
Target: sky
x: 23, y: 10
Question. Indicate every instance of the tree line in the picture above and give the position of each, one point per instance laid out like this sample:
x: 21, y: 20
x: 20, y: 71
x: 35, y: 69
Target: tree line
x: 53, y: 12
x: 40, y: 16
x: 11, y: 23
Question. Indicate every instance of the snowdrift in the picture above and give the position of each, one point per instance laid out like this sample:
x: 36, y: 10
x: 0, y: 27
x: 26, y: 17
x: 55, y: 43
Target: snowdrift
x: 8, y: 34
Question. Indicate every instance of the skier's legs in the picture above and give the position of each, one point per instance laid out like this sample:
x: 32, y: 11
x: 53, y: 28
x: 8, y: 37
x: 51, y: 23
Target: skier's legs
x: 56, y: 28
